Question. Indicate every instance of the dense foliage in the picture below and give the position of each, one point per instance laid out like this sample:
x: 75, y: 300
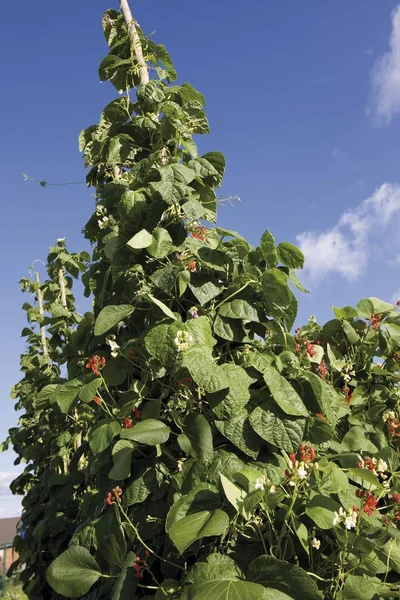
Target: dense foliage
x: 179, y: 441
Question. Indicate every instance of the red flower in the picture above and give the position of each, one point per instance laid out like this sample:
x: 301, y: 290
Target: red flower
x: 310, y: 349
x: 322, y: 417
x: 97, y: 400
x: 347, y: 394
x: 114, y: 495
x: 370, y: 504
x: 199, y: 233
x: 128, y: 423
x: 138, y: 568
x: 96, y: 363
x: 322, y: 371
x: 192, y: 266
x: 374, y: 321
x: 396, y: 498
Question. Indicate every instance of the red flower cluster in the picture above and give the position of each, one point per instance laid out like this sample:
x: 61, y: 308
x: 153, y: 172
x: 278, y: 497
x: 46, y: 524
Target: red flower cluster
x: 191, y: 266
x: 322, y: 369
x: 369, y: 464
x: 96, y: 363
x: 139, y: 564
x: 374, y: 321
x: 303, y: 346
x: 370, y: 501
x: 199, y: 233
x: 305, y: 454
x: 185, y: 382
x: 129, y: 423
x: 114, y: 495
x: 97, y: 400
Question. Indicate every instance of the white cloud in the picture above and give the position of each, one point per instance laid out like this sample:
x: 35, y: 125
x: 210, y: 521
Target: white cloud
x: 385, y: 78
x: 10, y: 506
x: 6, y: 477
x: 345, y: 248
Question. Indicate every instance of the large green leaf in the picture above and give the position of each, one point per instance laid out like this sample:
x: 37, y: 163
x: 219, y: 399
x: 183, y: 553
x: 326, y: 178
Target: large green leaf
x: 150, y: 432
x: 160, y: 343
x: 88, y: 391
x: 230, y: 590
x: 268, y: 249
x: 66, y: 393
x: 239, y: 431
x: 227, y: 403
x: 140, y: 240
x: 167, y: 311
x: 290, y: 256
x: 73, y: 573
x: 110, y: 316
x: 283, y: 432
x: 122, y: 453
x: 196, y: 526
x: 161, y: 245
x: 370, y: 306
x: 321, y: 509
x: 101, y: 435
x: 204, y: 371
x: 284, y: 394
x: 202, y: 496
x: 285, y: 577
x: 239, y: 309
x: 198, y: 431
x: 276, y: 291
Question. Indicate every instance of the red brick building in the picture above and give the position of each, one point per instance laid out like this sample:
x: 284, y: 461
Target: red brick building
x: 8, y: 531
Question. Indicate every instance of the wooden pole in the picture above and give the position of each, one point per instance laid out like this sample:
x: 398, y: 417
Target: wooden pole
x: 41, y: 311
x: 135, y: 40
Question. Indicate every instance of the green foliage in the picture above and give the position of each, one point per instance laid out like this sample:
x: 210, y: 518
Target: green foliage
x: 179, y: 440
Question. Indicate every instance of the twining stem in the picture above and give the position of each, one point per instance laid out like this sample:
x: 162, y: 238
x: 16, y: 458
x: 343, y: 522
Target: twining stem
x: 41, y: 311
x: 135, y: 40
x: 148, y: 547
x: 61, y: 283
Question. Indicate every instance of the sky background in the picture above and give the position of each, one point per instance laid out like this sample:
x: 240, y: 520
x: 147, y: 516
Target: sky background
x: 303, y: 99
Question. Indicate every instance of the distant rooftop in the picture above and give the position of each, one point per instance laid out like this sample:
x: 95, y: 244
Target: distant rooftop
x: 8, y: 529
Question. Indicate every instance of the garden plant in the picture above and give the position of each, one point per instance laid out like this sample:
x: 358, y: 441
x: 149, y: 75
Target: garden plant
x: 180, y: 440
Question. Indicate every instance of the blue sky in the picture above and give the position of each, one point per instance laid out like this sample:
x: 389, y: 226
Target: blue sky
x: 303, y: 98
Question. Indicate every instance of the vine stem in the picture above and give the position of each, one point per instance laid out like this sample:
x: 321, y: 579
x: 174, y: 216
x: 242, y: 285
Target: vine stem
x: 148, y: 547
x: 135, y: 40
x: 41, y: 311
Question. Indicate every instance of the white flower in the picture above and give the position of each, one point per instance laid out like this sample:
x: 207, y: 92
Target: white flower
x: 351, y: 520
x: 302, y: 471
x: 103, y: 222
x: 183, y: 340
x: 179, y: 465
x: 259, y: 483
x: 316, y: 543
x: 113, y: 345
x: 272, y: 489
x: 381, y: 466
x: 312, y: 319
x: 388, y: 415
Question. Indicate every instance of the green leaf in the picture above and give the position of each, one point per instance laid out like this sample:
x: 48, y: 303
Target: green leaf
x: 110, y: 316
x: 198, y: 431
x: 88, y: 391
x: 350, y: 333
x: 73, y: 573
x: 196, y: 526
x: 140, y: 240
x: 45, y: 397
x: 150, y: 432
x: 239, y: 431
x: 359, y: 587
x: 321, y: 509
x: 217, y: 160
x: 201, y: 497
x: 290, y: 256
x: 347, y: 312
x: 230, y: 590
x: 203, y: 289
x: 101, y: 435
x: 167, y: 311
x: 336, y: 359
x: 162, y: 243
x: 276, y: 291
x: 65, y: 394
x: 204, y: 371
x: 268, y: 249
x: 283, y: 432
x: 284, y: 577
x: 166, y: 278
x: 234, y: 494
x: 239, y: 309
x: 370, y: 306
x: 159, y: 342
x: 122, y: 457
x: 226, y: 404
x: 284, y: 394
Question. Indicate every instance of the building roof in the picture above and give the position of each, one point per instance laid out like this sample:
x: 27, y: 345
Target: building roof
x: 8, y: 529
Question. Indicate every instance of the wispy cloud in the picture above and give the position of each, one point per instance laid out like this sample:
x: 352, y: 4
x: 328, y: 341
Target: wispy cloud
x: 10, y: 506
x: 385, y: 78
x: 345, y: 248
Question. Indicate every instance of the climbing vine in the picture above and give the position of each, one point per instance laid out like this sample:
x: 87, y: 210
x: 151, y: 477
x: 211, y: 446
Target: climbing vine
x: 180, y: 440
